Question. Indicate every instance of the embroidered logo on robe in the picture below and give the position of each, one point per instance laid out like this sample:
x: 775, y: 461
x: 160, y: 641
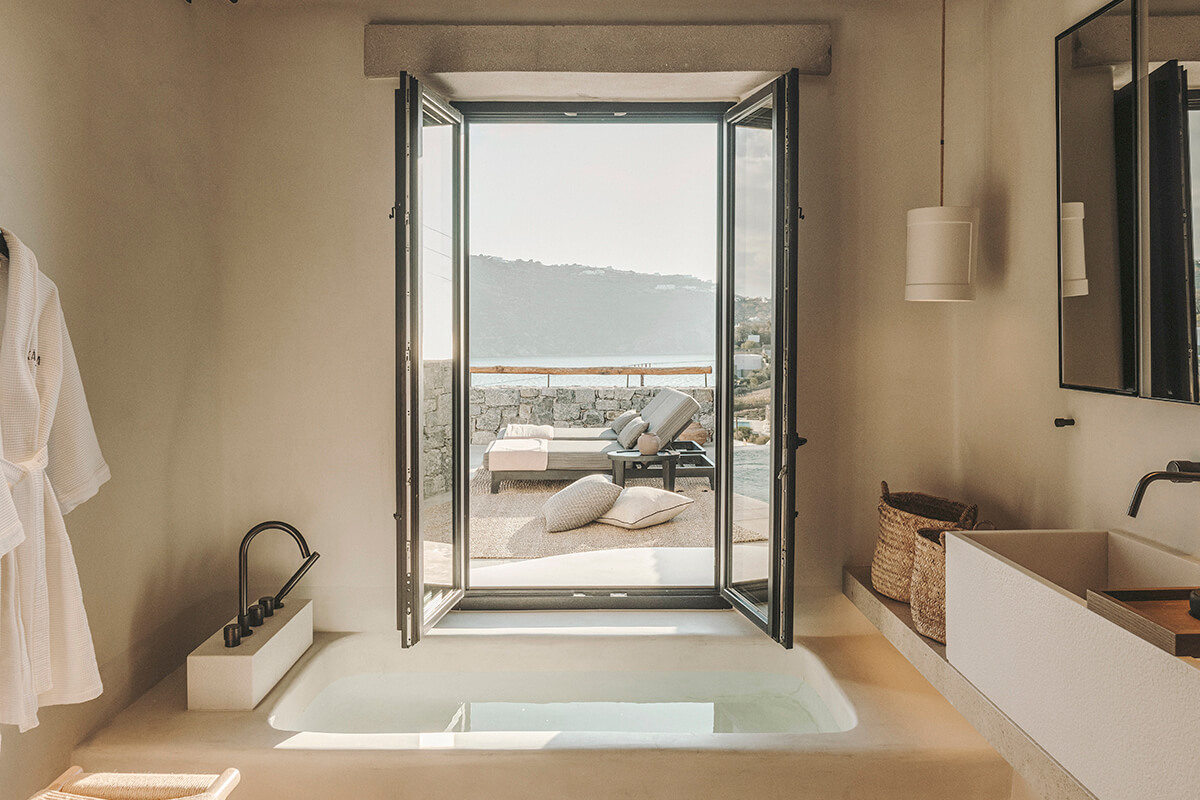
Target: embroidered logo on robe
x: 33, y: 358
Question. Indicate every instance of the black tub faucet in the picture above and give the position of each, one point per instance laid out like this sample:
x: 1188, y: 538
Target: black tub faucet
x: 1176, y: 472
x: 245, y: 617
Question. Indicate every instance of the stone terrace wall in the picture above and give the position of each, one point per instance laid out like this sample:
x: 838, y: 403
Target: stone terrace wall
x: 438, y: 418
x: 494, y: 407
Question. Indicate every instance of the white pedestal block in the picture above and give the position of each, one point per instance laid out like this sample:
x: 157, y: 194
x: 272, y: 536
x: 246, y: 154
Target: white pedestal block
x: 237, y: 678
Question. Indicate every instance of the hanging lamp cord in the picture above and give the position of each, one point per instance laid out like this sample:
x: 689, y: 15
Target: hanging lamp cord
x: 942, y: 170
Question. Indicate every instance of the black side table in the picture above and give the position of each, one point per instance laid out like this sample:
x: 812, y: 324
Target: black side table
x: 633, y: 460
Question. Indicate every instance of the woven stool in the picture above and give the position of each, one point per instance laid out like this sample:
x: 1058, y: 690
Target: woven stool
x: 75, y: 784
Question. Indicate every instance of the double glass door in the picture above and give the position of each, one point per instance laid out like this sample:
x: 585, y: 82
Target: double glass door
x: 756, y: 427
x: 758, y: 336
x: 430, y: 379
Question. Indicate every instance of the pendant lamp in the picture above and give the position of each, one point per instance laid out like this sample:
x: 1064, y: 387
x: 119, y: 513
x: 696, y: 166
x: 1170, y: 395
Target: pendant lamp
x: 1074, y: 265
x: 943, y: 241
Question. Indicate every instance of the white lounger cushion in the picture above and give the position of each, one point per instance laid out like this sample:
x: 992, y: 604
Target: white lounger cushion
x: 520, y: 430
x: 517, y: 430
x: 517, y: 455
x: 580, y: 503
x: 585, y: 434
x: 643, y: 506
x: 562, y: 455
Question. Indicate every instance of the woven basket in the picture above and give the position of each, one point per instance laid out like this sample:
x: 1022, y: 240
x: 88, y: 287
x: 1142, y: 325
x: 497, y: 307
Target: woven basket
x: 901, y: 515
x: 929, y: 584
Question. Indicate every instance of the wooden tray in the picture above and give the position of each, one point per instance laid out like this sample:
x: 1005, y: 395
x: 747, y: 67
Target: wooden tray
x: 1160, y: 616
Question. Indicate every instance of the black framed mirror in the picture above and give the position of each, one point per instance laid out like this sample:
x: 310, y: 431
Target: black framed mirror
x: 1128, y: 92
x: 1098, y: 202
x: 1172, y: 69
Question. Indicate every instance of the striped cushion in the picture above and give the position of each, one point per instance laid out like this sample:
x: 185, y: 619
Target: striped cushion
x: 630, y: 433
x: 585, y: 434
x: 580, y: 455
x: 669, y: 413
x: 624, y: 419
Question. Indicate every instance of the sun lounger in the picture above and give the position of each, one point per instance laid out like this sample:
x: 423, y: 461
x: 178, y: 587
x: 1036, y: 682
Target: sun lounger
x: 663, y: 413
x: 668, y: 414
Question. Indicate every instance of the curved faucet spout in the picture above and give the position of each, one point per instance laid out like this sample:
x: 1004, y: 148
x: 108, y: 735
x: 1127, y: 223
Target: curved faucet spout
x: 1176, y: 472
x: 243, y: 552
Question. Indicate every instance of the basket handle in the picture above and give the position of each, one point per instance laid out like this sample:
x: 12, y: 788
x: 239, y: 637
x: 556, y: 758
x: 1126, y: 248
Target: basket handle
x: 967, y: 520
x: 883, y: 485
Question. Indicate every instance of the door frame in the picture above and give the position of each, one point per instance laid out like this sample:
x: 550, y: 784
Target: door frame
x: 607, y: 597
x: 413, y: 617
x: 589, y: 597
x: 779, y: 583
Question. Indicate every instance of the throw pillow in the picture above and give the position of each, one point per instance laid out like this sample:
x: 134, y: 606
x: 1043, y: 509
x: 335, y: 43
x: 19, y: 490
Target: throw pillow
x: 632, y: 430
x: 643, y: 506
x: 580, y: 503
x: 620, y: 422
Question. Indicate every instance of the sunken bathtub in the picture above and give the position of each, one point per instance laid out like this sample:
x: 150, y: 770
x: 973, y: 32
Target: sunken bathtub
x: 545, y: 704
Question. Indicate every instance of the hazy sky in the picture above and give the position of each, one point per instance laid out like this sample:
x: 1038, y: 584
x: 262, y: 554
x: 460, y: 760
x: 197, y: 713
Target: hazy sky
x: 632, y: 196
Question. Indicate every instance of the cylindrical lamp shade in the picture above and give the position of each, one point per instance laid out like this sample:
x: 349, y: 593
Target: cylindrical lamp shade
x: 1074, y: 265
x: 943, y: 244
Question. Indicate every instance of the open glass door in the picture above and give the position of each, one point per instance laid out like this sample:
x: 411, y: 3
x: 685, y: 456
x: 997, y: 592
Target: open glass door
x: 429, y: 373
x: 757, y: 421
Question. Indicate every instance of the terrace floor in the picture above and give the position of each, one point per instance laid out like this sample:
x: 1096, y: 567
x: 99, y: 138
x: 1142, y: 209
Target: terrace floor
x: 631, y: 566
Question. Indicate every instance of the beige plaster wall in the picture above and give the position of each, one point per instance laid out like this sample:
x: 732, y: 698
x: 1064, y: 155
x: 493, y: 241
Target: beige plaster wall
x: 306, y: 334
x: 211, y: 188
x: 104, y: 172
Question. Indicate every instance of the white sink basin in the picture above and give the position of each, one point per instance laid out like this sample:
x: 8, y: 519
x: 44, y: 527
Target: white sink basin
x: 1120, y: 714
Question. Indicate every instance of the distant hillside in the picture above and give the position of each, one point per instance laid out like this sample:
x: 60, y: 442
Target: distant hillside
x: 526, y: 308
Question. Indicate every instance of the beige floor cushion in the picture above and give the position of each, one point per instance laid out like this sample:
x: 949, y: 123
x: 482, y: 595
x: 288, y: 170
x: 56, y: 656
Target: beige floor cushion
x: 643, y: 506
x: 580, y: 503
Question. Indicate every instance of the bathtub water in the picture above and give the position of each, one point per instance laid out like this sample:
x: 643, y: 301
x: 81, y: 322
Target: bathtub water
x: 523, y: 691
x: 602, y: 702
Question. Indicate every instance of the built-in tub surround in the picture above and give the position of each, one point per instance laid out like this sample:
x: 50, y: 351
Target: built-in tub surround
x: 858, y: 721
x: 531, y: 692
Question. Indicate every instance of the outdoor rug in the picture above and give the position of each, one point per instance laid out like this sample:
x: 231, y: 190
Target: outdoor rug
x: 510, y: 525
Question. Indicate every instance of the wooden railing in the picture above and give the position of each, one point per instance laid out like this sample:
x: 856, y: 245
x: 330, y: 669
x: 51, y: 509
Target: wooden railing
x: 640, y: 370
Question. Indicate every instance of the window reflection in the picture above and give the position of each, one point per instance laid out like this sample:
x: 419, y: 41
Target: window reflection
x: 753, y: 338
x: 436, y: 181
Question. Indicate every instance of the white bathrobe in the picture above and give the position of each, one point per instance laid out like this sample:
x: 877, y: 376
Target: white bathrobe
x: 51, y: 462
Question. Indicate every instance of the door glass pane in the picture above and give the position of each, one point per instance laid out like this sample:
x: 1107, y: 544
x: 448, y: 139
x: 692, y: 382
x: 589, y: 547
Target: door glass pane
x: 436, y: 215
x: 592, y: 281
x: 752, y: 369
x: 1194, y: 158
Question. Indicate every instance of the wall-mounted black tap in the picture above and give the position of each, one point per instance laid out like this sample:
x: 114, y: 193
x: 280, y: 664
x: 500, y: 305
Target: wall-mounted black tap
x: 1176, y: 472
x: 250, y: 617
